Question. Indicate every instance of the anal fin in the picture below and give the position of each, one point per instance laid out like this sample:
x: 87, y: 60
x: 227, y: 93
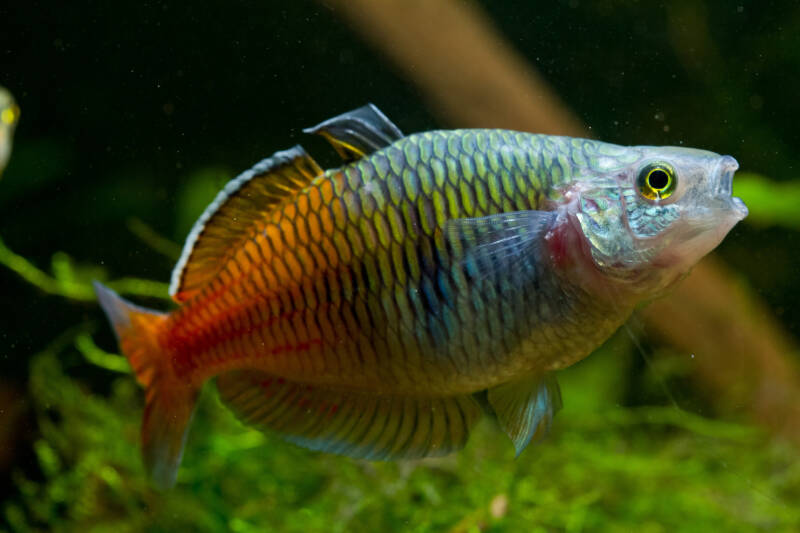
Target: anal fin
x: 525, y: 408
x: 356, y: 424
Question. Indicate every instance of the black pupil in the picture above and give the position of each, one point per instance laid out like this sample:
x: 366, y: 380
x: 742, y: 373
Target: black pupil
x: 658, y: 179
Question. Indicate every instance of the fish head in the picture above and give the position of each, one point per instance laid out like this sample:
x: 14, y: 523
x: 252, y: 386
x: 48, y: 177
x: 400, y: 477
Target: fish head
x: 9, y: 110
x: 649, y: 221
x: 9, y: 115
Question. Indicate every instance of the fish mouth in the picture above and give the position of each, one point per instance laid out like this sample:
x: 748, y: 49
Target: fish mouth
x: 739, y: 208
x: 723, y: 188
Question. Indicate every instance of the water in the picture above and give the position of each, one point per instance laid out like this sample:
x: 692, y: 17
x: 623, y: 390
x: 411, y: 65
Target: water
x: 133, y: 116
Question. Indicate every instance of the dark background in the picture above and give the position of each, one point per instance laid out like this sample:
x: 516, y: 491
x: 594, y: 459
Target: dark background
x: 128, y: 107
x: 123, y: 103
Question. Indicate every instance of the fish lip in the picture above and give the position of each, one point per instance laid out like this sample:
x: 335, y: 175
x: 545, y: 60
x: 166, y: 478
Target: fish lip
x: 726, y: 167
x: 739, y: 208
x: 723, y: 186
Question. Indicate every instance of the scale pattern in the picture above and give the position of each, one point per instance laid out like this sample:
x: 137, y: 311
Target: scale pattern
x: 351, y: 282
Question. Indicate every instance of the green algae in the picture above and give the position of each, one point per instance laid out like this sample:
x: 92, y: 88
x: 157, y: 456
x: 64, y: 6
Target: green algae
x: 604, y: 467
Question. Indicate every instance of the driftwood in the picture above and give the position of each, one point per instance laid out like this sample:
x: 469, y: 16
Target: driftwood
x: 473, y: 78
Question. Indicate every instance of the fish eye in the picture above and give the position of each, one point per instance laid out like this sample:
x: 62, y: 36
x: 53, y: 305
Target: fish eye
x: 9, y: 115
x: 657, y: 181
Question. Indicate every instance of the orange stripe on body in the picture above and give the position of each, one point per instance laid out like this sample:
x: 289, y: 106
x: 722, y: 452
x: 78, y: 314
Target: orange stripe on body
x: 282, y: 293
x: 194, y: 352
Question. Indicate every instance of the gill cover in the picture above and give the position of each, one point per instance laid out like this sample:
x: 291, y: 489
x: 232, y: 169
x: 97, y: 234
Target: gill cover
x: 601, y: 214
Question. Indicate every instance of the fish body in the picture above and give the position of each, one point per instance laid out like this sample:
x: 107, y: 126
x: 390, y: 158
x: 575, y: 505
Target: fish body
x: 377, y: 309
x: 9, y: 115
x: 351, y: 282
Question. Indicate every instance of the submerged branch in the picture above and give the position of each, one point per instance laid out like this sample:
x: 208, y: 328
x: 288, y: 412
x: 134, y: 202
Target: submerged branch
x: 740, y: 355
x: 470, y: 74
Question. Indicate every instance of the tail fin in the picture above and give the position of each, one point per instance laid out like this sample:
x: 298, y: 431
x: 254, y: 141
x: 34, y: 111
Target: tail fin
x: 169, y: 401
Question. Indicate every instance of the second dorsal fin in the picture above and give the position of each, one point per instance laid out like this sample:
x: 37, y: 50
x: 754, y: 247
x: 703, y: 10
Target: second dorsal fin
x: 358, y: 132
x: 234, y: 214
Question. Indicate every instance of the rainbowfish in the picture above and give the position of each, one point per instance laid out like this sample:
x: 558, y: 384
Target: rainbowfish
x: 9, y: 115
x: 377, y: 309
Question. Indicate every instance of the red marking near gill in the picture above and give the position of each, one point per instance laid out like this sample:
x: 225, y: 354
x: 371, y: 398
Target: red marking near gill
x: 558, y: 241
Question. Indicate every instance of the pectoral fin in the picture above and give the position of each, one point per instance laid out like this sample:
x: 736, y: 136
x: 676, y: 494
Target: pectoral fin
x: 500, y: 246
x: 525, y: 408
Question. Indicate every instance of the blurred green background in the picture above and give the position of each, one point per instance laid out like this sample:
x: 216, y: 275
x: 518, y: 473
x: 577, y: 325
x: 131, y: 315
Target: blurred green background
x: 134, y: 114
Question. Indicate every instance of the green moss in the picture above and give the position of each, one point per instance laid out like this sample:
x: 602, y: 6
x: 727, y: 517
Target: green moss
x: 605, y: 467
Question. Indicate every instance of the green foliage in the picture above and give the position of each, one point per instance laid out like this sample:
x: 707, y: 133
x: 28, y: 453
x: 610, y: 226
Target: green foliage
x: 605, y: 467
x: 72, y: 281
x: 770, y: 203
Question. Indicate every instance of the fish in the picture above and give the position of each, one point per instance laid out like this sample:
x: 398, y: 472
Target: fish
x: 379, y: 309
x: 9, y: 115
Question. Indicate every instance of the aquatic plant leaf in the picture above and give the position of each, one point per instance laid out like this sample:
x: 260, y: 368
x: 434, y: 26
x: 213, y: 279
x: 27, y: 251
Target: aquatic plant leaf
x: 75, y: 285
x: 769, y: 202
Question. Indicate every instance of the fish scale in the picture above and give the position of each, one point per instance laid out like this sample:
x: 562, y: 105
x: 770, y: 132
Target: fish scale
x: 356, y: 230
x: 376, y: 309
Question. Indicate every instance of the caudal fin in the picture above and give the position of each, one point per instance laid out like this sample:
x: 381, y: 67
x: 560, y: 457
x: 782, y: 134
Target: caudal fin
x: 169, y: 401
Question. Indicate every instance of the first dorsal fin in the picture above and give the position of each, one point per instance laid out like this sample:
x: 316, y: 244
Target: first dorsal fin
x: 358, y: 132
x: 234, y: 214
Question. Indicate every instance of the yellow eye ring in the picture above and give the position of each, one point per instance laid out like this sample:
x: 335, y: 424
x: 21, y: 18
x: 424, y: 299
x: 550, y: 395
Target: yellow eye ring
x: 657, y: 181
x: 9, y: 115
